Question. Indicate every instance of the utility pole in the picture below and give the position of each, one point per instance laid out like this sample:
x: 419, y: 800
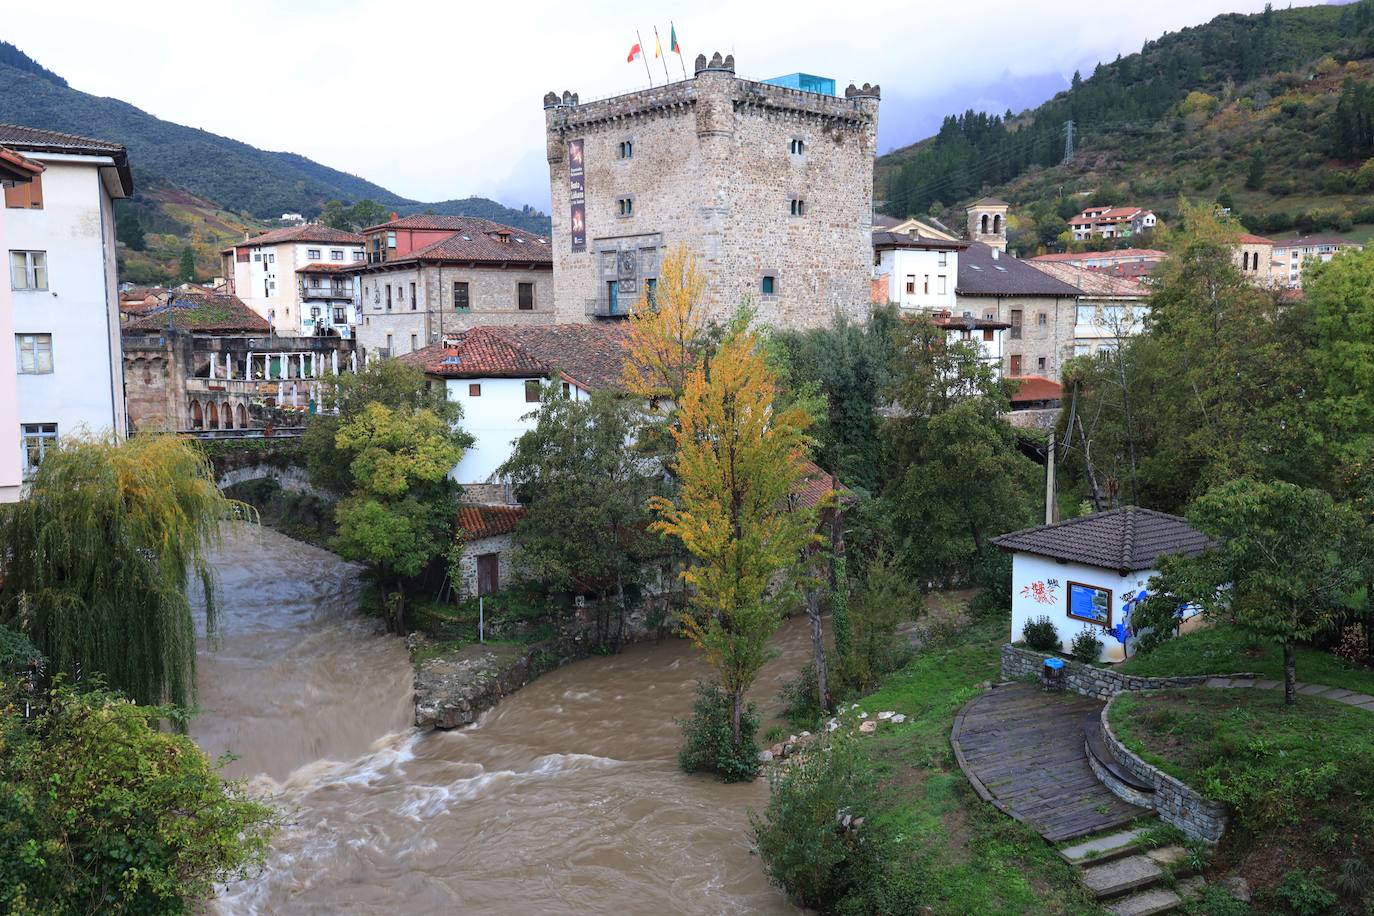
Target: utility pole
x: 1068, y: 141
x: 1051, y: 497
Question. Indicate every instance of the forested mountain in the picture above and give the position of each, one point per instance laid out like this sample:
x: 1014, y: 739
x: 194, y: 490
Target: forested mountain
x: 196, y: 188
x: 1272, y: 114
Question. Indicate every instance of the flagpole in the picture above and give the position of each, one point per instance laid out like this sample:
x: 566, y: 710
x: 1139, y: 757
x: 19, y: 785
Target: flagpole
x: 646, y: 59
x: 658, y: 52
x: 672, y: 31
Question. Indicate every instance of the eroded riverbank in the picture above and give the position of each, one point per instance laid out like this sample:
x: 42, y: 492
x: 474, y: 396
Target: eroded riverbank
x: 564, y: 798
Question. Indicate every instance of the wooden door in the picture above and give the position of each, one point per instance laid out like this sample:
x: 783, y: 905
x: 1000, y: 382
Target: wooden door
x: 488, y: 574
x: 1016, y: 364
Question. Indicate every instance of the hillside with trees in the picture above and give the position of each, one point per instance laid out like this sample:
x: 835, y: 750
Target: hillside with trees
x: 196, y: 189
x: 1271, y: 115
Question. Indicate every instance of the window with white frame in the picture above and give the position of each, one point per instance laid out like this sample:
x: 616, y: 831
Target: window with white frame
x: 29, y: 269
x: 336, y: 254
x: 35, y: 440
x: 358, y: 255
x: 35, y: 353
x: 312, y: 254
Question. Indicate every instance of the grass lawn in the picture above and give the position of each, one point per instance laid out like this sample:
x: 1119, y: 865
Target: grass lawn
x: 1299, y: 780
x: 974, y: 859
x: 1225, y: 650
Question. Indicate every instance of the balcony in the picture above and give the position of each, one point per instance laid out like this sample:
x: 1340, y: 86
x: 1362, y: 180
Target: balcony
x: 602, y: 308
x: 327, y: 292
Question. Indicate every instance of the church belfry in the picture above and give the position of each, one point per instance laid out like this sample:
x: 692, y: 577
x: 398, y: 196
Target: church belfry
x: 987, y: 222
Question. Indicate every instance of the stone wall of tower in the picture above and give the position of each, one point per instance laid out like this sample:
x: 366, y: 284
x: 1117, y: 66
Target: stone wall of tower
x: 713, y: 167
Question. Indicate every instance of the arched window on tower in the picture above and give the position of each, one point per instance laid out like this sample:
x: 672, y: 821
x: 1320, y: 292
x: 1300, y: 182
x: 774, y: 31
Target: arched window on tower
x: 984, y: 225
x: 997, y: 224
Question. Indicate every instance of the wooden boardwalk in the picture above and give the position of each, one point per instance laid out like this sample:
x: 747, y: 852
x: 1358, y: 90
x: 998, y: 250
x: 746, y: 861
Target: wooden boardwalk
x: 1022, y: 749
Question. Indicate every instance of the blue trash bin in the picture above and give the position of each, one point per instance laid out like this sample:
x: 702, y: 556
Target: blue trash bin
x: 1052, y: 675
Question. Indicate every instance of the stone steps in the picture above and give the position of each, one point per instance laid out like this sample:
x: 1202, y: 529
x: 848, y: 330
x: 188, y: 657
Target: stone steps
x: 1102, y: 848
x: 1146, y: 903
x: 1119, y: 877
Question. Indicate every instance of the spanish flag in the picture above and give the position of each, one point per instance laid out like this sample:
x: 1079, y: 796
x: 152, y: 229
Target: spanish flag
x: 634, y: 54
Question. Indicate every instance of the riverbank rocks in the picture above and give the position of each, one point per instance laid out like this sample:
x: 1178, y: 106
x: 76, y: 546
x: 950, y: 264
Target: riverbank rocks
x: 453, y: 689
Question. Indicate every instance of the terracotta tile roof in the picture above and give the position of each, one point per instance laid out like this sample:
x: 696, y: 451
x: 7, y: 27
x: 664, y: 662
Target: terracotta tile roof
x: 1125, y: 539
x: 814, y: 486
x: 967, y: 322
x: 985, y: 272
x: 15, y: 167
x: 591, y: 355
x: 1246, y: 238
x: 33, y: 140
x: 323, y: 234
x: 1035, y: 388
x: 1312, y: 240
x: 1093, y: 282
x: 481, y: 240
x: 202, y: 312
x: 489, y: 521
x: 1119, y: 254
x: 989, y: 202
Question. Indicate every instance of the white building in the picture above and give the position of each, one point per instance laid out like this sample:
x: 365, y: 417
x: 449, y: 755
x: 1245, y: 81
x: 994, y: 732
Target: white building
x: 1112, y: 222
x: 495, y: 373
x: 1111, y: 308
x: 59, y: 243
x: 1293, y: 256
x: 16, y: 171
x: 919, y: 271
x: 296, y: 279
x: 1093, y: 572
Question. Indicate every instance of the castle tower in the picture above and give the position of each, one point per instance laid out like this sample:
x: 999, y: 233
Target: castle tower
x: 769, y: 184
x: 987, y: 222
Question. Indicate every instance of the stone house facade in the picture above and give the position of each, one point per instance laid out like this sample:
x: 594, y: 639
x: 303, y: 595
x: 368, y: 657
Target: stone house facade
x: 1039, y: 310
x: 770, y: 187
x: 488, y: 560
x: 484, y: 274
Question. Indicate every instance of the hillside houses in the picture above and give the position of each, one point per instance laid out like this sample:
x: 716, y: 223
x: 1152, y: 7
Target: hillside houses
x: 1111, y: 223
x: 1293, y: 256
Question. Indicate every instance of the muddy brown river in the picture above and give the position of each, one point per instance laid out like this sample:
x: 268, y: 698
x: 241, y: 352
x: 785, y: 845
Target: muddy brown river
x: 564, y: 798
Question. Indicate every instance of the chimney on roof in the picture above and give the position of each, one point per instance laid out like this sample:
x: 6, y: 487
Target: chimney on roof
x: 996, y: 254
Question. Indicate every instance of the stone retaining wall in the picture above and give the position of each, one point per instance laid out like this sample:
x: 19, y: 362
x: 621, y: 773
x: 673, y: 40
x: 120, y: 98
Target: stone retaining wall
x: 1174, y: 801
x: 1090, y: 680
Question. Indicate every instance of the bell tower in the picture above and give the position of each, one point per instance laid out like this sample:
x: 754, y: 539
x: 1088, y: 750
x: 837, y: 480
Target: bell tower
x: 987, y: 222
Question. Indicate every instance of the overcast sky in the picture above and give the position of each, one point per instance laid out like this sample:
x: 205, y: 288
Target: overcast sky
x: 437, y: 100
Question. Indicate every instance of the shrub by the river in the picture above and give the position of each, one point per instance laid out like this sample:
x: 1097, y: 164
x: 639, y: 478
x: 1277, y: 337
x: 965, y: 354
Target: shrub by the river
x: 801, y: 698
x: 708, y: 746
x: 100, y: 812
x: 820, y: 842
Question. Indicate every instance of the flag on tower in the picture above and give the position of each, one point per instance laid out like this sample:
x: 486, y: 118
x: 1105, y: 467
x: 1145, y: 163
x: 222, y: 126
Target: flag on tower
x: 672, y: 40
x: 634, y: 53
x: 658, y: 45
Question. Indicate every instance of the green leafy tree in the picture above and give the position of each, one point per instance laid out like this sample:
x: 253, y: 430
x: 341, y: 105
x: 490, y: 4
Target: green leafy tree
x: 1288, y: 566
x: 1254, y: 171
x: 400, y: 510
x: 587, y: 494
x: 366, y: 212
x: 956, y: 476
x: 100, y: 556
x: 738, y: 460
x: 129, y: 231
x: 336, y: 216
x: 186, y: 268
x: 102, y: 812
x: 1341, y: 296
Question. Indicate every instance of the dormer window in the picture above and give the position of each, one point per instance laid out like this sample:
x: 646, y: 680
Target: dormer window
x: 626, y: 149
x: 797, y: 206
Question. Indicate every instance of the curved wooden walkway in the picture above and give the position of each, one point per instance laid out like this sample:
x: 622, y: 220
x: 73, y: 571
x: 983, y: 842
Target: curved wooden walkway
x: 1022, y: 749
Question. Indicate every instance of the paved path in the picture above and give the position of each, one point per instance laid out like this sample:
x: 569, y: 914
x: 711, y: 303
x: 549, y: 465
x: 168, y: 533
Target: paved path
x: 1022, y: 749
x: 1349, y: 697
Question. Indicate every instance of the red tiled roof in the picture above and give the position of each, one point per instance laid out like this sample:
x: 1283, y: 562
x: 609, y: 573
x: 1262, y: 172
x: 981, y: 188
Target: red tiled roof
x: 1148, y: 254
x: 814, y: 486
x: 482, y: 244
x: 489, y: 521
x: 15, y: 167
x: 1310, y: 240
x: 1036, y: 388
x: 1094, y: 281
x: 1246, y: 238
x: 202, y: 312
x: 591, y: 355
x: 315, y: 233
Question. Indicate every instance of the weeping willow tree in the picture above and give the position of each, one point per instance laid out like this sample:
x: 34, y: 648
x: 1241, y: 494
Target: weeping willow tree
x: 100, y: 558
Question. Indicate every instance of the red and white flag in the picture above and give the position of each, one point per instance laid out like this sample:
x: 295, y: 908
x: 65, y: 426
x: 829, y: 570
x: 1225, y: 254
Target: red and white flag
x: 635, y: 53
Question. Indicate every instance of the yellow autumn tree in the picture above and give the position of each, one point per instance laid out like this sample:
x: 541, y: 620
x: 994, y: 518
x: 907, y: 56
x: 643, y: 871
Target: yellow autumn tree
x: 665, y: 335
x: 739, y: 458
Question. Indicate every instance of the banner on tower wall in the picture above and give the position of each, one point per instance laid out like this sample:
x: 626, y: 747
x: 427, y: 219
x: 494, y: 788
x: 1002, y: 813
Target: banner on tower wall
x: 577, y: 196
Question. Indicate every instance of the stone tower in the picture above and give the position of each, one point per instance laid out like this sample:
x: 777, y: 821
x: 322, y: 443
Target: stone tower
x: 770, y: 186
x: 987, y: 222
